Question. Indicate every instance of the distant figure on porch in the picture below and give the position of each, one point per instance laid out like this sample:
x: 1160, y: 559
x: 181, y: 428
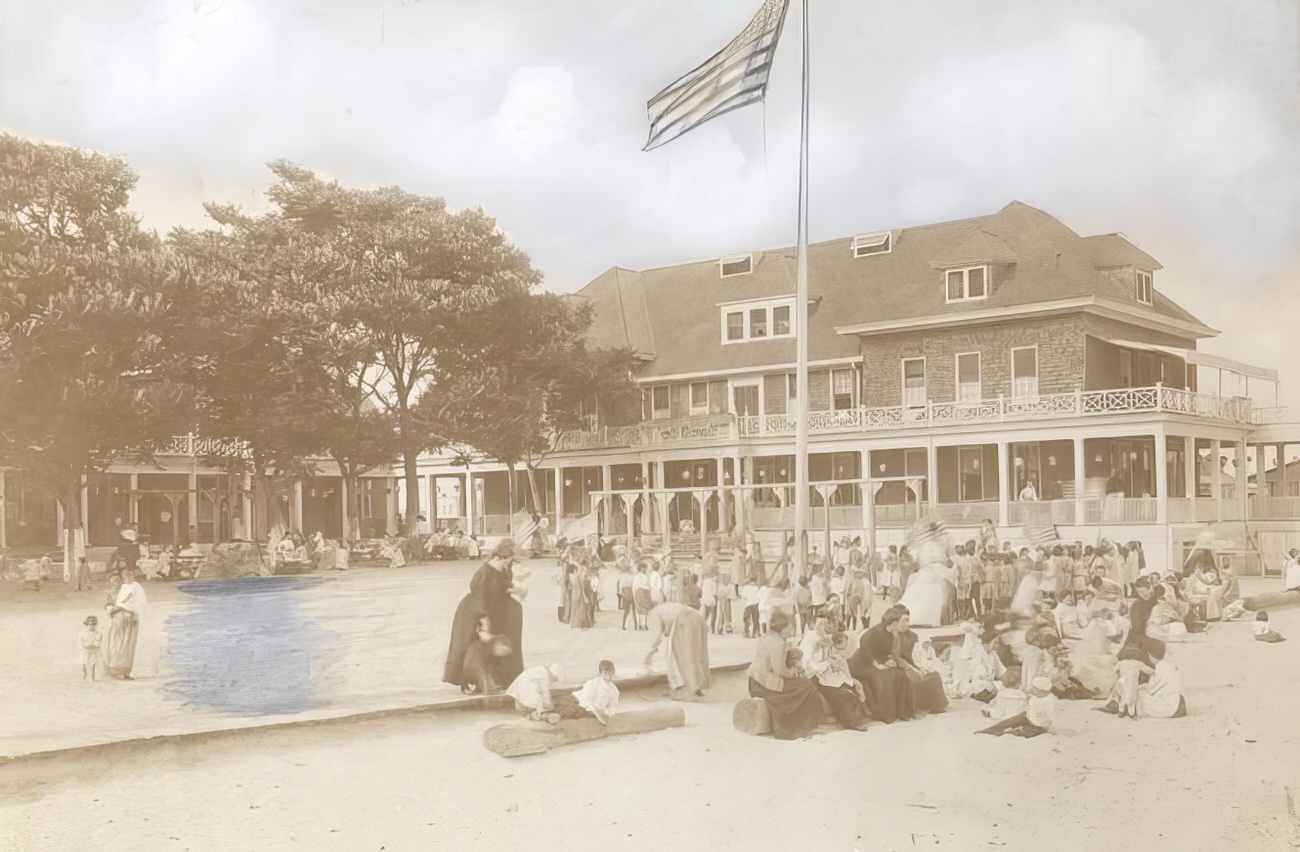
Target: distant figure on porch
x: 1029, y: 493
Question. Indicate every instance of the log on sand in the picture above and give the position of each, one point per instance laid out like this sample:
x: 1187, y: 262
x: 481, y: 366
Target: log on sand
x: 539, y: 737
x: 752, y: 716
x: 1272, y: 600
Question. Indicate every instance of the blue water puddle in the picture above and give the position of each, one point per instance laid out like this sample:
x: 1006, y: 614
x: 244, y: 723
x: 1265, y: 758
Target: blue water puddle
x: 244, y: 646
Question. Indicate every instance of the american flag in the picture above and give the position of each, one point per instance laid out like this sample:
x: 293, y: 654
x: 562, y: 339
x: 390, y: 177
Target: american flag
x: 732, y: 78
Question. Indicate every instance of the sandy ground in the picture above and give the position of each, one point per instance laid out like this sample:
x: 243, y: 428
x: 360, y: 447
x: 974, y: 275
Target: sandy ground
x: 1220, y: 779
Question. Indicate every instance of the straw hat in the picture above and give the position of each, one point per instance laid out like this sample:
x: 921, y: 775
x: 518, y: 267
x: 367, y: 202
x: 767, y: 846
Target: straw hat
x: 129, y: 535
x: 1041, y: 684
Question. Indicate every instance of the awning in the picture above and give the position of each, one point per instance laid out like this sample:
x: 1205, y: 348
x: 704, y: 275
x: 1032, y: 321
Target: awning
x: 1200, y: 359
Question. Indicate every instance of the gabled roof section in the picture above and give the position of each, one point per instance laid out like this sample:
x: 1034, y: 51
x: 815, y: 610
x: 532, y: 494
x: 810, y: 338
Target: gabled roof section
x: 674, y: 311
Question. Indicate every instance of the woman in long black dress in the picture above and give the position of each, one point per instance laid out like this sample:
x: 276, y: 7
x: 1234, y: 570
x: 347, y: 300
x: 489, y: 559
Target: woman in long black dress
x: 874, y: 665
x: 489, y: 594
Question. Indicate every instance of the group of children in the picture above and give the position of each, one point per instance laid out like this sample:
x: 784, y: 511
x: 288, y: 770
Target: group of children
x: 597, y: 698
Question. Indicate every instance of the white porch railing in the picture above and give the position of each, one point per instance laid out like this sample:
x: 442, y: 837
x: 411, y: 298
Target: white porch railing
x: 196, y: 445
x: 1002, y: 410
x: 966, y: 513
x: 1119, y: 510
x: 1040, y: 513
x: 1274, y: 508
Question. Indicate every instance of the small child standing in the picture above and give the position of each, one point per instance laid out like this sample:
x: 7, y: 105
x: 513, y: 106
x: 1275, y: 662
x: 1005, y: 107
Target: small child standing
x: 1263, y: 633
x: 92, y: 642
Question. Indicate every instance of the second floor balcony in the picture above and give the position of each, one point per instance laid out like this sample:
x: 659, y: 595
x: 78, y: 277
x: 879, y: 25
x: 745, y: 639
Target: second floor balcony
x: 1093, y: 403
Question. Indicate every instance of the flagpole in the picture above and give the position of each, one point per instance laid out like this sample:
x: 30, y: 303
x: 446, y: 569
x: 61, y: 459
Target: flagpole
x: 801, y: 326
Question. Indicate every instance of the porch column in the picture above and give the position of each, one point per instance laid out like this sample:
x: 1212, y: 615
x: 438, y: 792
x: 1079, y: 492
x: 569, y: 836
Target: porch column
x: 193, y: 507
x: 245, y: 504
x: 725, y: 525
x: 1216, y: 476
x: 648, y: 520
x: 345, y: 500
x: 606, y: 505
x: 1243, y: 499
x: 469, y: 502
x: 557, y: 487
x: 1080, y: 515
x: 1191, y: 477
x: 295, y: 508
x: 390, y: 522
x: 931, y: 476
x: 1162, y: 478
x: 3, y: 539
x: 1004, y: 489
x: 85, y: 511
x: 132, y: 506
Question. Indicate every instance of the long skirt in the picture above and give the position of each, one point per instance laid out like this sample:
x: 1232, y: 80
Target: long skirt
x: 928, y: 695
x: 889, y: 692
x: 844, y: 704
x: 119, y: 656
x: 642, y: 597
x: 796, y: 710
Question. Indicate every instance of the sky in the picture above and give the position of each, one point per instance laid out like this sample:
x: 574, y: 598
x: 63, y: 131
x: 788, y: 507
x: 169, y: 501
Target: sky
x: 1175, y: 123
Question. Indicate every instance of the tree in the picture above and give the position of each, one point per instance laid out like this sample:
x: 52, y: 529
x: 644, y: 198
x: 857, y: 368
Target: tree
x: 274, y: 368
x: 86, y: 300
x: 411, y: 284
x: 537, y: 380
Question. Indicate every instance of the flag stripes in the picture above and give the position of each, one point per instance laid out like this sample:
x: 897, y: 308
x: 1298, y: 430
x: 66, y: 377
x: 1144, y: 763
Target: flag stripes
x: 734, y: 77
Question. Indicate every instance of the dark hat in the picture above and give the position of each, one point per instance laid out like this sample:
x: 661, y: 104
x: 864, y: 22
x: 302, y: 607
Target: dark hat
x: 90, y: 619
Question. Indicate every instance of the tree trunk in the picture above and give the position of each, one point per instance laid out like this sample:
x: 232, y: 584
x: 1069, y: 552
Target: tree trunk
x: 352, y: 484
x: 510, y: 497
x: 73, y: 538
x: 412, y: 480
x: 532, y: 487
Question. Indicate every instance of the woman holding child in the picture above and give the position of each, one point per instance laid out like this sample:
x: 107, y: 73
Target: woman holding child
x: 794, y: 701
x: 489, y: 595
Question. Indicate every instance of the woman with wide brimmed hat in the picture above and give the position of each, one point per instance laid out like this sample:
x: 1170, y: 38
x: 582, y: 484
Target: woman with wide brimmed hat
x: 489, y: 594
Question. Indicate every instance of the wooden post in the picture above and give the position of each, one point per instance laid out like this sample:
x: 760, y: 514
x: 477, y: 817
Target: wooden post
x: 1162, y: 477
x: 1004, y: 490
x: 1080, y: 465
x: 1216, y: 475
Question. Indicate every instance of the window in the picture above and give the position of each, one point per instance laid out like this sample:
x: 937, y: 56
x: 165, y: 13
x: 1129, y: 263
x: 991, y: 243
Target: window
x: 1024, y: 371
x: 791, y: 390
x: 741, y: 264
x: 968, y: 377
x: 1144, y: 292
x: 747, y: 399
x: 757, y: 320
x: 914, y: 382
x: 735, y: 326
x: 967, y: 284
x: 699, y: 397
x: 842, y: 389
x: 780, y: 320
x: 659, y: 402
x: 865, y: 244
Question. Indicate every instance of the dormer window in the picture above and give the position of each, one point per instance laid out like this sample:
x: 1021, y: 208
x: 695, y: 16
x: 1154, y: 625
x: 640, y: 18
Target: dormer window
x: 740, y: 264
x: 757, y: 319
x: 1145, y: 295
x: 865, y: 244
x: 967, y: 284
